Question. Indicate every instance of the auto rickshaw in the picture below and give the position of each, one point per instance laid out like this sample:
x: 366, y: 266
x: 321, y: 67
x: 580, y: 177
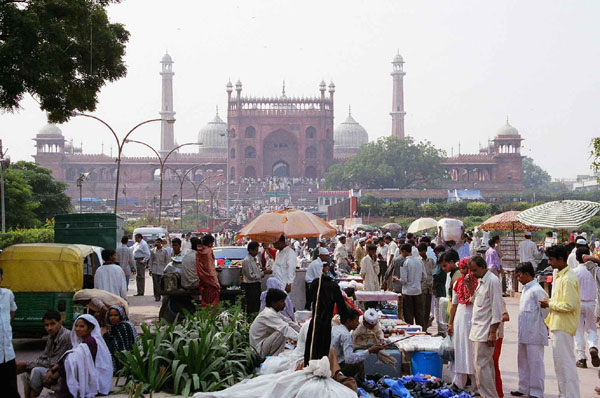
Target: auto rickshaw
x: 45, y: 276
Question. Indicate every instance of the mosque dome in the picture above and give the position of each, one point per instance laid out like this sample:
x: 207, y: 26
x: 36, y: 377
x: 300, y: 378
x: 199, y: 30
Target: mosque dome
x: 166, y: 58
x: 50, y: 130
x: 507, y: 129
x: 398, y: 58
x: 213, y: 136
x: 350, y: 134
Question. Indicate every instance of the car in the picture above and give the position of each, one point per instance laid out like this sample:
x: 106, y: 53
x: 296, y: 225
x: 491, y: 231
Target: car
x: 230, y: 255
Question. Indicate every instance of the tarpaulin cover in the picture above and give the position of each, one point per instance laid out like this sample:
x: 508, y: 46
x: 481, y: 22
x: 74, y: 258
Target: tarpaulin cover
x: 43, y: 267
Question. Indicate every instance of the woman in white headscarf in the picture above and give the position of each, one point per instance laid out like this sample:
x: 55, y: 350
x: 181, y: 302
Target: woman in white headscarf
x: 273, y: 283
x: 86, y: 370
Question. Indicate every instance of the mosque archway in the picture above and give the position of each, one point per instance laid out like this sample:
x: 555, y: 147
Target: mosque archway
x: 281, y: 169
x: 280, y: 154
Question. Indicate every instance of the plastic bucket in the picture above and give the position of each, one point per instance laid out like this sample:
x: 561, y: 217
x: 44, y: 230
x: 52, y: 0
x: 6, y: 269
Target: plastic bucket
x: 427, y: 363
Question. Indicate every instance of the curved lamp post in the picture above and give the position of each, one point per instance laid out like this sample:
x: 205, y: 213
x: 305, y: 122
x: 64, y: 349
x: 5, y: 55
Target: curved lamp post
x: 162, y: 167
x: 197, y: 188
x: 120, y: 144
x: 181, y: 182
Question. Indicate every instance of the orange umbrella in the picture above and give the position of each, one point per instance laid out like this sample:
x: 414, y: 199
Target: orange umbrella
x: 269, y: 226
x: 506, y: 221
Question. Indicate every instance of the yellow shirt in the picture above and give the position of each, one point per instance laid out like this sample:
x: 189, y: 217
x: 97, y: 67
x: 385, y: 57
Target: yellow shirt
x: 565, y: 304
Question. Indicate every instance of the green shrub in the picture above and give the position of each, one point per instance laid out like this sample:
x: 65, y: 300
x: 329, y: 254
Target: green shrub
x: 208, y: 351
x: 478, y: 208
x: 33, y: 235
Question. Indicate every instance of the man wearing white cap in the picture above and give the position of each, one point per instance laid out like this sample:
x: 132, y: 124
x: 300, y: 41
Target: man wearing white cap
x: 528, y: 251
x: 572, y: 260
x: 314, y: 271
x: 368, y: 331
x: 340, y: 255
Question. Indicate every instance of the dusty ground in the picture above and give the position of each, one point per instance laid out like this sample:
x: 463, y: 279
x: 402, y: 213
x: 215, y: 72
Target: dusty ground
x: 145, y: 309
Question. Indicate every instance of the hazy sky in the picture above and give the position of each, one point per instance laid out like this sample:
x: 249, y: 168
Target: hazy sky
x: 469, y: 64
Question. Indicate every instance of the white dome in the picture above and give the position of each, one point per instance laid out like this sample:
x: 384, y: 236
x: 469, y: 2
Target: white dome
x: 50, y: 129
x: 398, y: 59
x: 166, y: 59
x: 350, y: 134
x: 508, y: 130
x: 213, y: 136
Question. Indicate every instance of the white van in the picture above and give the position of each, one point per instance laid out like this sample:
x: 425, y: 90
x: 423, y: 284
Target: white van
x: 150, y: 234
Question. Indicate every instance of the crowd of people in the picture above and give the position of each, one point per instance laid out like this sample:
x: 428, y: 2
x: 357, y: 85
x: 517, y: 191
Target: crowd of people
x: 455, y: 285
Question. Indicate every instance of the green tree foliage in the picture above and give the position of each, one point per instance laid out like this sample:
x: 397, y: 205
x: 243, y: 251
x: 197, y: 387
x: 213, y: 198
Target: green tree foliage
x: 479, y: 208
x: 48, y: 193
x: 18, y: 199
x: 533, y: 175
x: 390, y: 163
x: 33, y: 196
x: 59, y: 51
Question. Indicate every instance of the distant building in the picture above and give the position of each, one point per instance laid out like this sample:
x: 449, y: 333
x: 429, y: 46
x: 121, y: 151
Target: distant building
x: 277, y: 136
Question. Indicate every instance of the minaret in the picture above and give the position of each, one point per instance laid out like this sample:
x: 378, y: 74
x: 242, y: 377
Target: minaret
x: 398, y: 97
x: 167, y: 135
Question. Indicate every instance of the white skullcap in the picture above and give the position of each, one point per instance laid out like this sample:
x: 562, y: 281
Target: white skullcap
x: 323, y: 251
x: 527, y: 233
x: 581, y: 241
x: 371, y: 316
x: 341, y: 236
x: 362, y: 240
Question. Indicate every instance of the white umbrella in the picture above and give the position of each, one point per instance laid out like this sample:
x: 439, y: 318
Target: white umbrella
x: 422, y: 224
x: 561, y: 215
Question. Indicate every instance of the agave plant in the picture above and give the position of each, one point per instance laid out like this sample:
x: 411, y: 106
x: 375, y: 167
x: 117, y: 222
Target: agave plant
x: 208, y: 351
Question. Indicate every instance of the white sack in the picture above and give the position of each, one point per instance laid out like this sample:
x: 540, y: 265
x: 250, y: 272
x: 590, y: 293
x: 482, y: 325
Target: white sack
x: 313, y: 381
x: 451, y: 229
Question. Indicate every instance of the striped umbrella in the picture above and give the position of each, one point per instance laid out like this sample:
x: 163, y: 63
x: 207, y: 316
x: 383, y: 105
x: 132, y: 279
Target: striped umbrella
x: 560, y: 215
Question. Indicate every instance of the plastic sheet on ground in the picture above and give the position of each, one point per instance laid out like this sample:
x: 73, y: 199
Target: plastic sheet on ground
x: 313, y: 381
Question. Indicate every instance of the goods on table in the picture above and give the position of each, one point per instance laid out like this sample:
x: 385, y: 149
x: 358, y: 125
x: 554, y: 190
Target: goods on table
x: 416, y: 386
x: 451, y: 229
x: 392, y: 327
x: 420, y: 343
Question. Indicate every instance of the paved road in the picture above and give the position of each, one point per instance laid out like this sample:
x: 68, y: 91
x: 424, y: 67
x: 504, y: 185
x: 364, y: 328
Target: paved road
x: 145, y: 309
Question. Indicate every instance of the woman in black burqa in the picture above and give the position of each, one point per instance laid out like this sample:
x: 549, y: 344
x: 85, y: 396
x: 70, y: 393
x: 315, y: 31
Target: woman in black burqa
x: 328, y: 295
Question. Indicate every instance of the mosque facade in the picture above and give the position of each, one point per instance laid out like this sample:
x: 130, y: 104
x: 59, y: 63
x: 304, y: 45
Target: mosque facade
x: 262, y: 137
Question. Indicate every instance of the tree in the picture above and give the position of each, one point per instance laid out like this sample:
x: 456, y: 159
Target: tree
x: 20, y: 207
x: 48, y: 193
x: 479, y: 208
x: 59, y: 51
x: 389, y: 163
x: 533, y: 175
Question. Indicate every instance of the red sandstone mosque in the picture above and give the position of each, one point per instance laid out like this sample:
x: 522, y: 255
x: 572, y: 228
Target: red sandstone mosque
x: 279, y: 136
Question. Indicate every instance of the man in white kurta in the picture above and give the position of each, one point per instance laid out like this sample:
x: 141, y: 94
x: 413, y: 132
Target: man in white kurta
x: 340, y: 255
x: 528, y: 250
x: 532, y: 335
x: 487, y: 316
x: 109, y: 276
x: 369, y: 270
x: 587, y: 318
x: 270, y: 329
x: 284, y: 268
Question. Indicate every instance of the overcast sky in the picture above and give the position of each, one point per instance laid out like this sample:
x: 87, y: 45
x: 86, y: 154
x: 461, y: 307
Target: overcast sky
x: 469, y: 65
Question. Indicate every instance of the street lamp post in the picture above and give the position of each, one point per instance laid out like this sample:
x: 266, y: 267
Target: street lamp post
x: 120, y: 144
x: 162, y: 168
x: 229, y: 134
x: 80, y: 180
x: 181, y: 182
x: 197, y: 188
